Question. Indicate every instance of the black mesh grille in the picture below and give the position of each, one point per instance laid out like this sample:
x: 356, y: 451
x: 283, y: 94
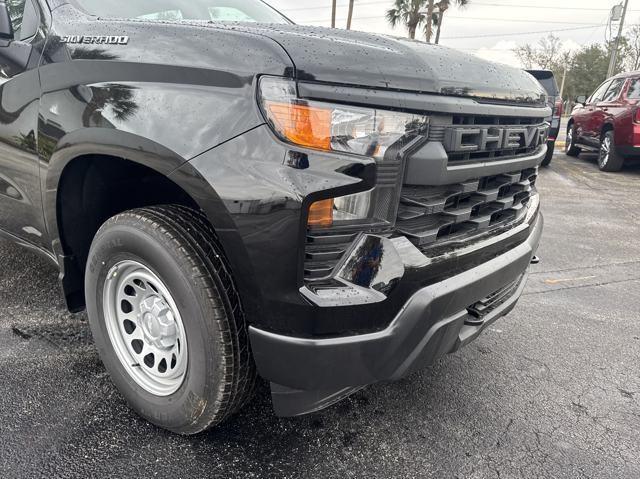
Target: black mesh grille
x: 430, y: 215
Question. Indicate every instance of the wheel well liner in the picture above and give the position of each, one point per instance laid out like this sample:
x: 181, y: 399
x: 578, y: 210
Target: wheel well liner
x: 92, y: 189
x: 605, y: 128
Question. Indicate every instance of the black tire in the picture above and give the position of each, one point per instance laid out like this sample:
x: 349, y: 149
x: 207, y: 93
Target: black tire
x: 608, y: 158
x: 179, y: 246
x: 551, y: 145
x: 570, y: 148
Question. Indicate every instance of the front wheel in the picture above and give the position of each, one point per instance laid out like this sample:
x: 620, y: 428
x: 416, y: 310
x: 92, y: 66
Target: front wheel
x: 570, y: 147
x: 609, y: 159
x: 166, y: 318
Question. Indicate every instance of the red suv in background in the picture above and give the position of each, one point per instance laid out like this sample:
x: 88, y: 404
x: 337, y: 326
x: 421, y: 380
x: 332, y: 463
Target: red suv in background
x: 608, y: 122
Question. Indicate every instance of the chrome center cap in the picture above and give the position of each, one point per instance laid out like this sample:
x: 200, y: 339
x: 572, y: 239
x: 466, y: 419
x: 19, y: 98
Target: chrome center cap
x: 158, y: 323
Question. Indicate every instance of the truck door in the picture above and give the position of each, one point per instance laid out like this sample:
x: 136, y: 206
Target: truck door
x: 20, y: 193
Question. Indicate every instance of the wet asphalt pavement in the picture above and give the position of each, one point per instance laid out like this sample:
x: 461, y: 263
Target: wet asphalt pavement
x: 552, y: 390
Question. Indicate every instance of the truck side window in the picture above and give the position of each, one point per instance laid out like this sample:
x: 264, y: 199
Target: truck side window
x: 614, y: 90
x: 634, y: 89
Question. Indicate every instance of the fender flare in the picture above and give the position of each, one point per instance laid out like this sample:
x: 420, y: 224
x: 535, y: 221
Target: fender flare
x: 99, y: 141
x: 109, y: 142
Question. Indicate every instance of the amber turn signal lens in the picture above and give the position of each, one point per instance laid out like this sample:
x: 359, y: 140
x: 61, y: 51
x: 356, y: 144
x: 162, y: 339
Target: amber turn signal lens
x: 301, y: 124
x: 321, y: 213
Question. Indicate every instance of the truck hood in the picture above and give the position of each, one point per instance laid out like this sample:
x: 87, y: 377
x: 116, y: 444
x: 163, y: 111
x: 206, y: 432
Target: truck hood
x: 336, y: 56
x: 378, y: 61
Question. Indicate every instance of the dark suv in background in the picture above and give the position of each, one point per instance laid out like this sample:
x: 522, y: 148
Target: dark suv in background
x: 554, y: 100
x: 608, y: 122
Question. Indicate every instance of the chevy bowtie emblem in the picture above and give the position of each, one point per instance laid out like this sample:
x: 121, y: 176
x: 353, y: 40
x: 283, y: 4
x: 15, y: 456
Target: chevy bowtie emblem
x: 95, y: 40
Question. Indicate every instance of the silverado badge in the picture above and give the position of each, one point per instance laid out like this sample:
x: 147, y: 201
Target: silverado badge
x: 99, y: 40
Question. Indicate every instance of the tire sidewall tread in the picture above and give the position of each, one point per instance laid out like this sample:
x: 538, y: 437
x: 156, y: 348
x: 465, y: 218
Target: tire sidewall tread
x: 616, y: 160
x: 572, y: 149
x: 182, y: 252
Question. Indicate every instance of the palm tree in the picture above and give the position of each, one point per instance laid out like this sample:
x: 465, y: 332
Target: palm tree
x: 350, y: 15
x: 443, y: 6
x: 333, y: 14
x: 429, y: 27
x: 409, y: 12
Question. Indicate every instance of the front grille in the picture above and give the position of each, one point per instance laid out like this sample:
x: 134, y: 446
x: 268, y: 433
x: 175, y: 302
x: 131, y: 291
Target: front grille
x: 433, y: 216
x: 464, y: 137
x: 430, y: 215
x: 437, y: 131
x: 485, y: 306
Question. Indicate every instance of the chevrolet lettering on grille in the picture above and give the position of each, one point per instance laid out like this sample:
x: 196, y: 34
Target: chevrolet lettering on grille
x: 467, y: 139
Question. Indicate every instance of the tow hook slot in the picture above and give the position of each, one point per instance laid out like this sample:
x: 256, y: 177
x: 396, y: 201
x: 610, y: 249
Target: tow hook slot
x: 473, y: 318
x: 478, y: 312
x: 535, y: 260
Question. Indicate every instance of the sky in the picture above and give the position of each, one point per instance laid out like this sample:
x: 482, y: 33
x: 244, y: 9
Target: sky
x: 487, y: 28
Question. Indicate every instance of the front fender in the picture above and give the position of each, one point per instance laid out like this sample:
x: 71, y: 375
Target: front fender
x: 88, y: 142
x: 98, y: 141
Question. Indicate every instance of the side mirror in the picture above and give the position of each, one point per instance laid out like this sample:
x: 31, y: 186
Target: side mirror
x: 6, y: 28
x: 581, y: 99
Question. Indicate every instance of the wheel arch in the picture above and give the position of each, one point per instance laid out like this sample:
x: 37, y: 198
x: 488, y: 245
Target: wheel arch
x: 607, y: 126
x: 77, y: 168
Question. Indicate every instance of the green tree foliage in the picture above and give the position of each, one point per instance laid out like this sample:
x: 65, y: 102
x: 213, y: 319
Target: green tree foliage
x: 631, y: 49
x: 442, y: 7
x: 416, y: 13
x: 408, y: 13
x: 585, y: 68
x: 588, y: 68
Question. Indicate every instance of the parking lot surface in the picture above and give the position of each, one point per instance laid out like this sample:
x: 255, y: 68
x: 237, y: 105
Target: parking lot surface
x: 552, y: 390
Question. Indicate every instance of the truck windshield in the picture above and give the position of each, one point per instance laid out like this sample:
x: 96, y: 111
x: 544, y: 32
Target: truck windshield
x: 205, y: 10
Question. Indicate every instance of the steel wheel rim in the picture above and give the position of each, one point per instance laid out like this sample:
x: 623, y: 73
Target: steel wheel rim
x: 145, y: 328
x: 569, y: 139
x: 605, y: 150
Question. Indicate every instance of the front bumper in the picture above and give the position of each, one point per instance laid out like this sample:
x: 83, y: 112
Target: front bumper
x: 308, y: 374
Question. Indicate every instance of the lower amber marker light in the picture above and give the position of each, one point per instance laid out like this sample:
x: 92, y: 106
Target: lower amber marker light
x: 321, y: 213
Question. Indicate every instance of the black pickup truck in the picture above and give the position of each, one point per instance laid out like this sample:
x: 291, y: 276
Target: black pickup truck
x: 230, y: 195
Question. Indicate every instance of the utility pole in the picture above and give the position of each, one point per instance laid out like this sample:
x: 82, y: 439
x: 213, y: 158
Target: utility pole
x: 564, y: 77
x: 350, y: 14
x: 333, y: 14
x: 616, y: 43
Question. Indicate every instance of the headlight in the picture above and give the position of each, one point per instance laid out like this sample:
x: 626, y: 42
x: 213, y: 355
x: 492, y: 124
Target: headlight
x: 345, y: 210
x: 332, y: 127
